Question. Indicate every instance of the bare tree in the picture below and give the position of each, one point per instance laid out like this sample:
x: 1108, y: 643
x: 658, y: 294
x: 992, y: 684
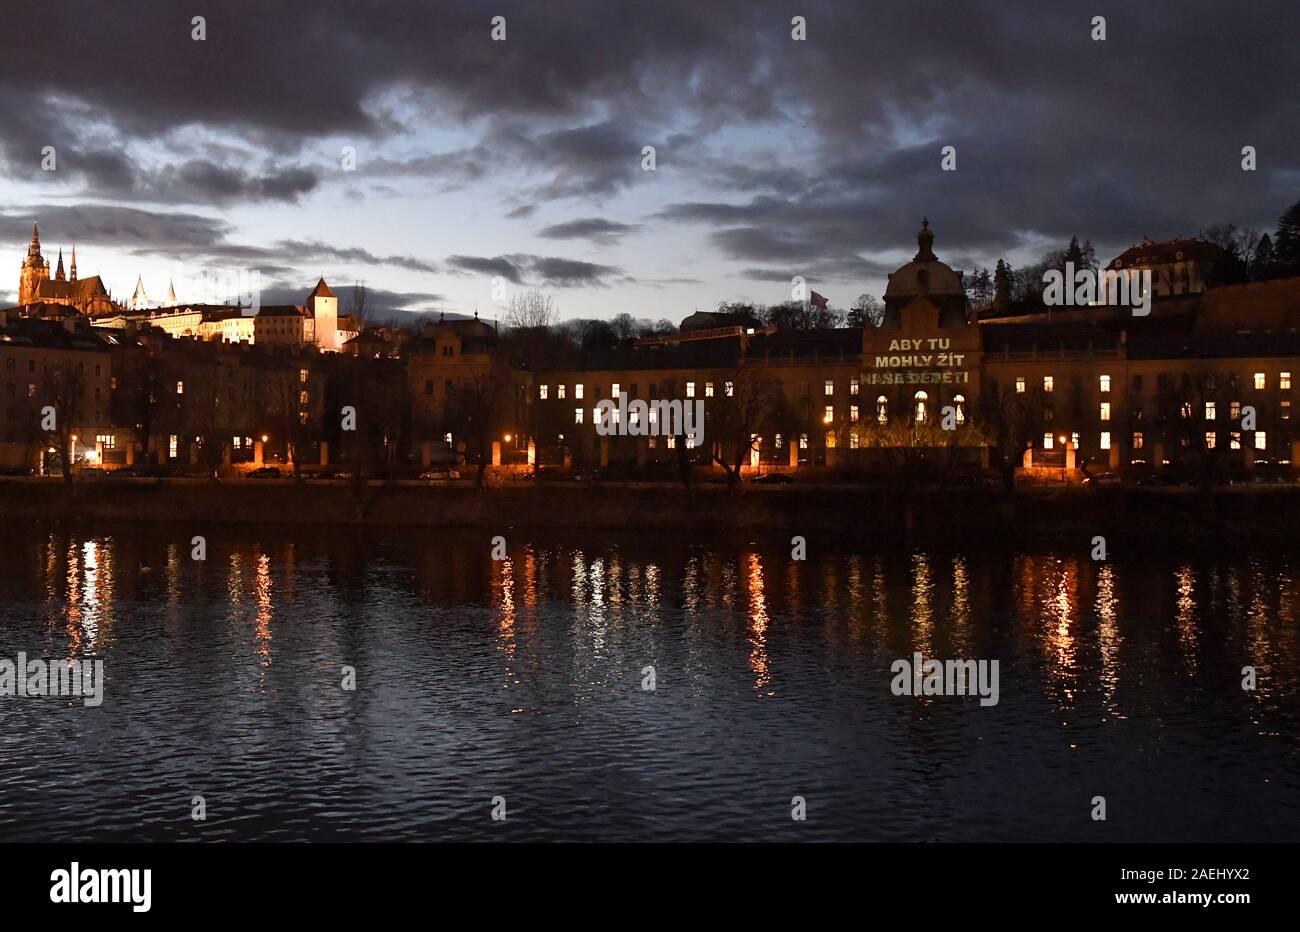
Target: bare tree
x: 531, y: 310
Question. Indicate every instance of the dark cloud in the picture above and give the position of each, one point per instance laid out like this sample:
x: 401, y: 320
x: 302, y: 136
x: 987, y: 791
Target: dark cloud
x: 540, y: 270
x: 596, y: 229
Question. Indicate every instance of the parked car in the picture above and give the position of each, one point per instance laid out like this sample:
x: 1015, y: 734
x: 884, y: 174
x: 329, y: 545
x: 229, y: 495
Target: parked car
x: 91, y: 472
x: 17, y: 471
x: 1105, y: 478
x: 266, y: 472
x: 774, y: 478
x: 440, y: 472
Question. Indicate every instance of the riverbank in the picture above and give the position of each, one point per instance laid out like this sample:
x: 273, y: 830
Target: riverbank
x: 1061, y: 512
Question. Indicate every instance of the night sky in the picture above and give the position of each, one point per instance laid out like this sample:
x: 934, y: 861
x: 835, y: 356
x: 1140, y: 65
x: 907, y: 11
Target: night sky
x: 523, y: 159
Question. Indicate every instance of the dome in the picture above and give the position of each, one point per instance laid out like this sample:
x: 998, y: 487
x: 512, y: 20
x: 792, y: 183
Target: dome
x: 925, y: 274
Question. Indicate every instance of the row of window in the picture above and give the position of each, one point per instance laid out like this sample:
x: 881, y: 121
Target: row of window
x: 1259, y: 379
x: 1138, y: 440
x: 11, y: 365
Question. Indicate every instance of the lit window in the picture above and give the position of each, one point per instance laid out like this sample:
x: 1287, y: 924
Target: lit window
x: 1235, y: 410
x: 1211, y: 439
x: 1104, y: 383
x: 920, y: 398
x: 1235, y: 440
x: 1020, y: 384
x: 959, y: 402
x: 109, y: 441
x: 1105, y: 440
x: 613, y: 390
x: 180, y: 388
x: 577, y: 391
x: 1049, y: 384
x: 830, y: 387
x: 1261, y: 440
x: 302, y: 375
x: 1260, y: 381
x: 690, y: 441
x: 803, y: 441
x: 1286, y: 410
x: 1137, y: 440
x: 1074, y: 439
x: 853, y: 414
x: 882, y: 409
x: 776, y: 441
x: 853, y: 441
x: 1105, y: 410
x: 1210, y: 410
x: 690, y: 389
x: 729, y: 388
x: 542, y: 391
x: 708, y: 389
x: 1284, y: 380
x: 830, y: 414
x: 672, y: 441
x: 1048, y: 441
x: 577, y: 415
x: 853, y: 386
x: 173, y: 444
x: 559, y: 391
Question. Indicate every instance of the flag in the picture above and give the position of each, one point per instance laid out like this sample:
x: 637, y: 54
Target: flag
x: 818, y: 301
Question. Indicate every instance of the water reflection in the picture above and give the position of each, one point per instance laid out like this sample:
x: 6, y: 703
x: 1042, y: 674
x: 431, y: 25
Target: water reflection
x: 1133, y: 669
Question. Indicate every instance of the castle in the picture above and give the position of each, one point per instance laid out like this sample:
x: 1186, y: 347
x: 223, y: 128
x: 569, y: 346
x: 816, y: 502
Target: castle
x: 35, y: 286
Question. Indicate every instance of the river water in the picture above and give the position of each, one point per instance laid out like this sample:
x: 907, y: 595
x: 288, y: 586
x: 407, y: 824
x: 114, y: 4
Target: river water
x: 518, y: 685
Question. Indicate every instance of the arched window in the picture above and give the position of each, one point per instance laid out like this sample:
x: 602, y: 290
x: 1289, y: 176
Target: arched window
x: 959, y: 402
x: 882, y: 409
x: 921, y: 399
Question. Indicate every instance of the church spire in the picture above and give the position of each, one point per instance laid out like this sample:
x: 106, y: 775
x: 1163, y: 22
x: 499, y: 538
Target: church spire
x: 34, y: 250
x: 139, y: 300
x: 171, y: 294
x: 58, y: 272
x: 925, y: 242
x: 73, y: 276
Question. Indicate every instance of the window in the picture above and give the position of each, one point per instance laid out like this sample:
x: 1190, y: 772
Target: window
x: 882, y: 409
x: 1049, y: 383
x: 542, y: 390
x: 1210, y: 410
x: 1261, y: 440
x: 920, y: 398
x: 1284, y: 381
x: 1048, y: 440
x: 690, y: 389
x: 830, y: 386
x: 959, y: 402
x: 1260, y: 381
x: 1105, y: 410
x: 1074, y: 439
x: 830, y: 414
x: 776, y: 441
x: 729, y: 388
x: 173, y: 445
x: 613, y: 390
x: 1234, y: 440
x: 853, y: 414
x: 1286, y: 410
x: 1235, y: 411
x: 302, y: 375
x: 577, y: 391
x: 559, y: 391
x: 109, y: 441
x: 180, y: 388
x: 1105, y: 440
x: 803, y: 441
x: 853, y: 440
x: 1020, y: 384
x: 1137, y: 440
x: 31, y: 389
x: 1211, y: 438
x: 9, y: 365
x: 853, y: 386
x: 708, y: 389
x: 1103, y: 383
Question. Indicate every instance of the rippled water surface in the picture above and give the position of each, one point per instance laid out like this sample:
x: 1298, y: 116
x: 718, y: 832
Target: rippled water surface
x: 522, y: 678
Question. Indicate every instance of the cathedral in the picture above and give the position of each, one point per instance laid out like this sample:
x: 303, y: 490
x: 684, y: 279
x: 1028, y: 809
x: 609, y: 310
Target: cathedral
x: 35, y: 286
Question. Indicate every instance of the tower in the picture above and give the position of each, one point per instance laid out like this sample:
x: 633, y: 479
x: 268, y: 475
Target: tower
x: 34, y: 270
x: 59, y: 275
x: 74, y: 262
x: 139, y: 300
x: 324, y: 307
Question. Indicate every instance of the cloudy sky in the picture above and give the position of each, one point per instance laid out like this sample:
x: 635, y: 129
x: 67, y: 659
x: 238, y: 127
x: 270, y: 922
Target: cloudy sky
x: 522, y: 159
